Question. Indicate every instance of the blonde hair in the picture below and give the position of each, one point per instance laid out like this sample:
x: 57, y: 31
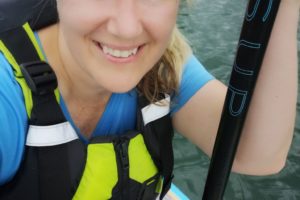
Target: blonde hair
x: 165, y: 76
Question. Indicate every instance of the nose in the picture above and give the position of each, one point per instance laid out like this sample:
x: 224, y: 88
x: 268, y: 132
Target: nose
x: 125, y: 22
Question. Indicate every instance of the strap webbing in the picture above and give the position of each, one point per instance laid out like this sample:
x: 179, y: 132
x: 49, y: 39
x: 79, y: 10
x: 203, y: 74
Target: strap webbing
x: 21, y: 43
x: 17, y: 41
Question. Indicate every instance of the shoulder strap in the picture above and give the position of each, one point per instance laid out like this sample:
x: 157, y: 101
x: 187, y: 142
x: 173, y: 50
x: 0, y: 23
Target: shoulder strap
x: 158, y: 133
x: 35, y: 76
x: 45, y: 168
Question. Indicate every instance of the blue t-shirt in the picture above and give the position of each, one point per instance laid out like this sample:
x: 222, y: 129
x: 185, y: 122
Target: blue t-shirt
x: 118, y: 117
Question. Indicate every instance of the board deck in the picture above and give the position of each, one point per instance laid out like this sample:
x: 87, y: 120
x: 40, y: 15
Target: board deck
x: 175, y: 194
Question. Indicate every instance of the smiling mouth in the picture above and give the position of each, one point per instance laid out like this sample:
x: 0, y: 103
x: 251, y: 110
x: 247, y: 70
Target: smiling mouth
x: 118, y: 53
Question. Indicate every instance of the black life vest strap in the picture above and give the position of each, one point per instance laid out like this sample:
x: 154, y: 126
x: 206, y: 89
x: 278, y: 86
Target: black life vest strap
x: 158, y: 138
x: 46, y: 111
x: 38, y: 75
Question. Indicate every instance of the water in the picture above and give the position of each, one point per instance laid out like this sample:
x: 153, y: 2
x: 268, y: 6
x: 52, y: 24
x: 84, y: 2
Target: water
x: 213, y: 27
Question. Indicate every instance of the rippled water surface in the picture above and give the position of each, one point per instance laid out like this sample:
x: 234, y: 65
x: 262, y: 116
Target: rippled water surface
x: 212, y: 27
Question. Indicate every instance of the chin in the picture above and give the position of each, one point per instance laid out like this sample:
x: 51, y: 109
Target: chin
x: 121, y: 88
x: 119, y: 83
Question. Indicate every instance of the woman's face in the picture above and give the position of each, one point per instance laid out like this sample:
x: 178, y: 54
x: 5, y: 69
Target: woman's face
x: 114, y: 43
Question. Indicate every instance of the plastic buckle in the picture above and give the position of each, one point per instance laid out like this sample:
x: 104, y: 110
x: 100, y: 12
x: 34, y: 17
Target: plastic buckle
x: 149, y: 188
x: 39, y: 77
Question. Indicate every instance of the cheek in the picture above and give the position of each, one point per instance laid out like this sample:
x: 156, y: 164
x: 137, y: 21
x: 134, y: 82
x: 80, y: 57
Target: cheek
x: 81, y: 16
x: 160, y: 22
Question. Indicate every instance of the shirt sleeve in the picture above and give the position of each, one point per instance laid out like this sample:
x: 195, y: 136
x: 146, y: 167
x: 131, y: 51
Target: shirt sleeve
x: 194, y: 77
x: 13, y: 122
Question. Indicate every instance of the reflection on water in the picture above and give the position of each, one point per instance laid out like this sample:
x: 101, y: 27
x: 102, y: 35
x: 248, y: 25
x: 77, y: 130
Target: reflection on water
x: 212, y: 28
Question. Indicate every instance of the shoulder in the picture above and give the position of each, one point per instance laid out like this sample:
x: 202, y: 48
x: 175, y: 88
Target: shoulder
x: 194, y: 68
x: 10, y: 91
x: 194, y: 77
x: 13, y: 122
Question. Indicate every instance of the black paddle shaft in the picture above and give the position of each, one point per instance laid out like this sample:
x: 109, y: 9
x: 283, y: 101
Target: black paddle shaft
x: 255, y: 34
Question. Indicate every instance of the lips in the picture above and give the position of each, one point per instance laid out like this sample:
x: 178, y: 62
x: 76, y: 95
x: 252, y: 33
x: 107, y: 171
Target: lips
x: 119, y: 52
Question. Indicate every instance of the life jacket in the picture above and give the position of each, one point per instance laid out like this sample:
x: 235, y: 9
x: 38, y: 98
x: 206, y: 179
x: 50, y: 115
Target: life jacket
x: 57, y: 164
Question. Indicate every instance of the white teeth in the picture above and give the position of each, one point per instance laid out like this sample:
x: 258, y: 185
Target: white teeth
x: 119, y: 53
x: 105, y: 50
x: 124, y: 54
x: 116, y: 53
x: 134, y: 51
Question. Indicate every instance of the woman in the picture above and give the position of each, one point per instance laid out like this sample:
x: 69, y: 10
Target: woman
x: 104, y: 53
